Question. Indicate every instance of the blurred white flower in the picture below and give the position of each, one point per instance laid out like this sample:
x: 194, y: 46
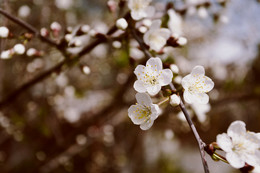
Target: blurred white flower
x: 44, y: 32
x: 31, y: 52
x: 175, y: 100
x: 182, y: 41
x: 196, y: 85
x: 240, y: 146
x: 156, y: 37
x: 144, y: 112
x: 117, y: 44
x: 140, y: 9
x: 121, y: 24
x: 24, y: 11
x: 152, y: 76
x: 19, y: 49
x: 175, y: 22
x: 4, y: 32
x: 64, y: 4
x: 6, y: 54
x: 55, y: 26
x: 201, y: 110
x: 86, y: 70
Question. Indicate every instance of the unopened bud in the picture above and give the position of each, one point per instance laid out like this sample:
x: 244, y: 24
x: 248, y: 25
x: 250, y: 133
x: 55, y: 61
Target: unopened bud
x: 174, y: 68
x: 31, y: 52
x: 175, y: 100
x: 4, y: 32
x: 6, y: 54
x: 19, y: 49
x: 182, y: 41
x: 44, y: 32
x: 121, y: 23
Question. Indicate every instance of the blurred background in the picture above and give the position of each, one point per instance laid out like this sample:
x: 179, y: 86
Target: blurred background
x: 76, y: 119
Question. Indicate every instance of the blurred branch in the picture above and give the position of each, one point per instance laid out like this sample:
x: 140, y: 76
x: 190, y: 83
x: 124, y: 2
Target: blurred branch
x: 28, y: 27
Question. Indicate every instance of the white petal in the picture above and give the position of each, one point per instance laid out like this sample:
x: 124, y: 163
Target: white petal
x: 209, y: 84
x: 186, y: 81
x: 201, y: 98
x: 234, y: 160
x: 147, y: 37
x: 139, y: 71
x: 188, y: 97
x: 165, y: 33
x: 137, y: 15
x: 154, y: 63
x: 157, y: 43
x: 132, y: 113
x: 198, y: 70
x: 147, y: 125
x: 251, y: 159
x: 236, y: 129
x: 224, y: 142
x: 166, y: 77
x: 143, y: 99
x: 150, y: 10
x: 153, y: 90
x: 155, y: 25
x: 139, y: 86
x: 155, y: 111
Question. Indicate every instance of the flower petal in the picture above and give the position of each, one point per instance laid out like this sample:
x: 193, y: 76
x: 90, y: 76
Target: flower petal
x: 165, y: 77
x: 156, y: 24
x: 155, y: 111
x: 147, y: 125
x: 143, y: 99
x: 134, y: 116
x: 139, y: 86
x: 153, y: 90
x: 237, y: 128
x: 186, y: 81
x: 154, y: 63
x: 201, y: 98
x: 157, y: 42
x: 164, y: 32
x: 208, y: 84
x: 198, y: 70
x: 188, y: 97
x: 234, y: 160
x: 224, y: 142
x: 139, y: 71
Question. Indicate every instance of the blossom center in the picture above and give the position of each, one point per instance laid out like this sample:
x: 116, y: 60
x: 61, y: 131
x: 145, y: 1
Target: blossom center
x: 143, y: 112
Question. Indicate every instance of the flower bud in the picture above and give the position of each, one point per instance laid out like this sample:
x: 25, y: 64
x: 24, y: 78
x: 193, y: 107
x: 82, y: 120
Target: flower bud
x: 121, y: 24
x: 174, y: 68
x: 182, y: 41
x: 19, y: 49
x: 6, y: 54
x: 175, y: 100
x: 4, y: 32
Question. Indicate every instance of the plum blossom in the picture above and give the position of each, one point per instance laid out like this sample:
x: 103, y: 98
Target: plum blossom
x: 152, y: 77
x: 240, y: 146
x: 4, y: 32
x: 140, y: 9
x: 156, y: 37
x: 175, y: 100
x: 121, y: 24
x: 144, y: 112
x: 196, y: 85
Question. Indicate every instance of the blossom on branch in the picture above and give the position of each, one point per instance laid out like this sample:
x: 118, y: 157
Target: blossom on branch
x: 4, y: 32
x: 196, y: 85
x: 152, y: 77
x: 140, y: 9
x: 156, y: 37
x: 240, y: 146
x: 144, y: 112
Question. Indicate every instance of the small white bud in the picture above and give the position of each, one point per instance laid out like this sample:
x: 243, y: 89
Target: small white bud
x: 174, y: 68
x: 182, y: 41
x: 4, y: 32
x: 55, y: 26
x: 86, y: 70
x: 78, y: 42
x: 6, y: 54
x: 31, y: 52
x: 68, y: 37
x: 44, y: 32
x: 116, y: 44
x: 175, y: 100
x: 19, y: 49
x: 121, y: 24
x: 202, y: 12
x: 147, y: 22
x: 85, y: 28
x: 24, y: 11
x: 143, y: 29
x: 93, y: 32
x: 178, y: 79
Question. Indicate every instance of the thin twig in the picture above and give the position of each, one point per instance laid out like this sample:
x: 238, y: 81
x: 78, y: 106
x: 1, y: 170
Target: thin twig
x: 28, y: 27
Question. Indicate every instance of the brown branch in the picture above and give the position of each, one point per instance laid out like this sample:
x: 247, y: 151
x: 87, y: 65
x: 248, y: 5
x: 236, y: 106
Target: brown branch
x: 28, y: 27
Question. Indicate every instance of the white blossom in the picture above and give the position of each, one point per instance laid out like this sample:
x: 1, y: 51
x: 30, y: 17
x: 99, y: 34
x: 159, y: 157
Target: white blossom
x: 55, y: 26
x: 4, y: 32
x: 240, y: 146
x: 196, y: 85
x: 174, y: 68
x: 140, y: 9
x: 152, y: 76
x: 156, y: 37
x: 121, y: 24
x: 175, y: 100
x: 201, y: 110
x: 182, y: 41
x: 144, y: 112
x: 24, y: 11
x: 175, y: 22
x: 19, y: 49
x: 6, y: 54
x: 31, y: 52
